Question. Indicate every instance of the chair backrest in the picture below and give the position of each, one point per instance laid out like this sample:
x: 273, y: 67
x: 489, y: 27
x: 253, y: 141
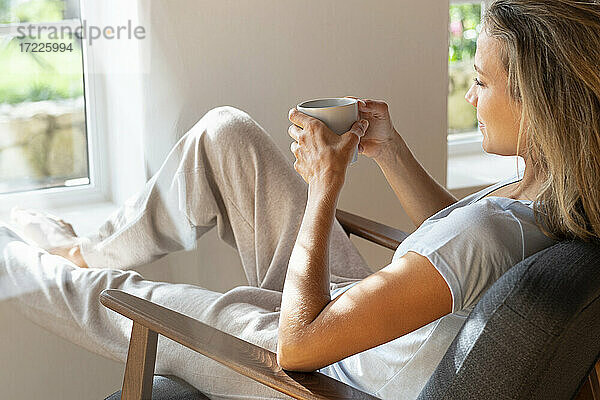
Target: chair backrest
x: 535, y: 334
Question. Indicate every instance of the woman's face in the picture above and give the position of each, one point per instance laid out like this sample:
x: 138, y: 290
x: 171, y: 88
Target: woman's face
x: 498, y: 116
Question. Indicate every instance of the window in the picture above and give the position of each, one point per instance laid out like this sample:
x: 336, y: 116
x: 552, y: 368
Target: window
x: 465, y: 24
x: 468, y: 164
x: 43, y: 125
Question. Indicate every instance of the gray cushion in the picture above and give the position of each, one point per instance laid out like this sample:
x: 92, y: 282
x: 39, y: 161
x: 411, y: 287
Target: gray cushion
x: 535, y: 334
x: 169, y: 388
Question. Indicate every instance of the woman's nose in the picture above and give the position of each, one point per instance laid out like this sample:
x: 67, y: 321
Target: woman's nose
x: 471, y: 96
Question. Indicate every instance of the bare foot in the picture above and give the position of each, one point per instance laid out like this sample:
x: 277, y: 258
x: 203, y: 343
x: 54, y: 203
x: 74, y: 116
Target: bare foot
x: 72, y: 254
x: 50, y: 233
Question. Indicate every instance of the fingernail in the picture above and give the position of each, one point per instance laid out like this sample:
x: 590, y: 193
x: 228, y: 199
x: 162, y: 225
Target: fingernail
x: 365, y: 123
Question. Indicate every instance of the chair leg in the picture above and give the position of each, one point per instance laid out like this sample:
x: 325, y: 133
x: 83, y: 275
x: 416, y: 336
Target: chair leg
x: 585, y: 392
x: 139, y: 370
x: 590, y: 390
x: 595, y: 381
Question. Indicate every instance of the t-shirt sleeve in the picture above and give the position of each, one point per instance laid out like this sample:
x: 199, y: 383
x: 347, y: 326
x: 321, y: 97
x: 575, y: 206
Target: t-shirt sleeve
x: 472, y: 247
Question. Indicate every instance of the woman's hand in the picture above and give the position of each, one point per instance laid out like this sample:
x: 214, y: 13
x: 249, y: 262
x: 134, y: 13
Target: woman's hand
x: 381, y: 130
x: 321, y: 155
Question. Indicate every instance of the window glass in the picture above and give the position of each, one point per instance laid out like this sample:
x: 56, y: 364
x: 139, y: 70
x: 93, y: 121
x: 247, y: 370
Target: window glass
x: 465, y: 25
x: 19, y: 11
x: 43, y: 138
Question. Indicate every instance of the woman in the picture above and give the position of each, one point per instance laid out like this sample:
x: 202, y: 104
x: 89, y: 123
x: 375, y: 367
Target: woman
x: 537, y: 95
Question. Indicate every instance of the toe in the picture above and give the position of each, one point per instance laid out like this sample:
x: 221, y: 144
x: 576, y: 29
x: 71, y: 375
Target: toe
x: 67, y: 226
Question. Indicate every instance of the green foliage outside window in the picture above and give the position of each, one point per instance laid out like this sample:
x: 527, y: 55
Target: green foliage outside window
x: 42, y: 118
x: 31, y: 11
x: 465, y: 20
x: 465, y: 24
x: 30, y: 76
x: 39, y: 76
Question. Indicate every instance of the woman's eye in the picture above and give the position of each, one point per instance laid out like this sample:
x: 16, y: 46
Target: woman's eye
x: 477, y: 82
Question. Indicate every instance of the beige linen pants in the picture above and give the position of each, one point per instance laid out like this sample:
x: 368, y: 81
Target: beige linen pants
x: 225, y: 172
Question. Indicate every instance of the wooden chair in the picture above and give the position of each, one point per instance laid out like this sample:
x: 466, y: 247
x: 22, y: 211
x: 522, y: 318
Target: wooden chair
x: 150, y: 320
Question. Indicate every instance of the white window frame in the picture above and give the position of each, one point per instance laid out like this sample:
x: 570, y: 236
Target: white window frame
x: 98, y: 190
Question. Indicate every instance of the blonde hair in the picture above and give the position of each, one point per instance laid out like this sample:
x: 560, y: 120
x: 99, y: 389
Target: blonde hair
x: 551, y: 50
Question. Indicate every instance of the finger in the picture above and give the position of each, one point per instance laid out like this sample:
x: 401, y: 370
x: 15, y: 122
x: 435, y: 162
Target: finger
x: 300, y: 119
x: 360, y: 127
x: 364, y: 105
x: 296, y: 166
x: 294, y: 147
x: 294, y: 132
x: 361, y: 102
x: 373, y: 106
x: 377, y: 106
x: 355, y: 133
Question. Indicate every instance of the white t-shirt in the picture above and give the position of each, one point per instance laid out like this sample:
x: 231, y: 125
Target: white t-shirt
x: 471, y: 243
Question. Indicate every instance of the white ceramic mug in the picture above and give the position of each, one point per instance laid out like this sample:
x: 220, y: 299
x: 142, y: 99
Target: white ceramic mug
x: 339, y: 114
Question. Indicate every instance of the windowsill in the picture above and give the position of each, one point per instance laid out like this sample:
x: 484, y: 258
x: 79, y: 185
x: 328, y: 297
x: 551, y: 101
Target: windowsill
x: 470, y: 166
x: 85, y: 218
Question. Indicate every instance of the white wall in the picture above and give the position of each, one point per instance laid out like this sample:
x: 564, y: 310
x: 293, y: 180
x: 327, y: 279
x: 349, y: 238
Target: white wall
x: 263, y: 56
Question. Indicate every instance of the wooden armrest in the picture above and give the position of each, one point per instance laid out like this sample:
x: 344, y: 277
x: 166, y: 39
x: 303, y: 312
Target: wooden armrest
x: 243, y: 357
x: 381, y: 234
